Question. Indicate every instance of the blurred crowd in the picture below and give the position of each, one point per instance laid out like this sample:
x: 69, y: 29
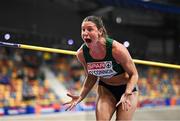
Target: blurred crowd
x: 160, y: 85
x: 22, y: 81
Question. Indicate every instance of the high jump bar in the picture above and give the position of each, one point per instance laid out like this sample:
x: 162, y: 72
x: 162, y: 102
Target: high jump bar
x: 69, y: 52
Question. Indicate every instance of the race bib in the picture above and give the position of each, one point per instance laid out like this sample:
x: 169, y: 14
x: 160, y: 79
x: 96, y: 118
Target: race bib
x: 101, y: 69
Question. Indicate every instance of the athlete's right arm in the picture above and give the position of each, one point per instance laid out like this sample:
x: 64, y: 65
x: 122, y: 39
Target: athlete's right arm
x: 90, y: 80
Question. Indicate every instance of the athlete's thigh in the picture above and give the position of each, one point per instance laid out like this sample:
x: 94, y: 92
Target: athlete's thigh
x: 106, y: 104
x: 127, y: 115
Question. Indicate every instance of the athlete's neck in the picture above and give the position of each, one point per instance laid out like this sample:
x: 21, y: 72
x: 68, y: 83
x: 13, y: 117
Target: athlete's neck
x: 99, y: 49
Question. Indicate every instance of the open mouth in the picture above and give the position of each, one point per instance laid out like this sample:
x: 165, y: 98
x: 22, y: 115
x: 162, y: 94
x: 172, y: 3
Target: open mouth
x: 88, y: 40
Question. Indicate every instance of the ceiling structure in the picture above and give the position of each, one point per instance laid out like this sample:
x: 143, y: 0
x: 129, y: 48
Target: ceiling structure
x: 139, y: 21
x: 89, y: 5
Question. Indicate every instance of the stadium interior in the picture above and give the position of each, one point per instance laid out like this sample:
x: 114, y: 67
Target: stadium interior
x: 36, y: 82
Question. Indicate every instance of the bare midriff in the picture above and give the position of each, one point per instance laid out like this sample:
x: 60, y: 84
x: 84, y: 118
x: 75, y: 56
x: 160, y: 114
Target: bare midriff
x: 116, y: 80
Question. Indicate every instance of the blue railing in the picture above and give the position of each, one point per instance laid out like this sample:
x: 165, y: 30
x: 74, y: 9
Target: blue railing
x: 142, y: 4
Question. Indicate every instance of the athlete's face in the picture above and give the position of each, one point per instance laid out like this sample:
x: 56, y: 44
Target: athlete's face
x: 90, y: 33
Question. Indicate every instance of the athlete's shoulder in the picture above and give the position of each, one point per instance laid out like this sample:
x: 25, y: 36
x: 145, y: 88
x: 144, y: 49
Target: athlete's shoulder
x: 80, y: 54
x: 117, y: 45
x: 118, y: 49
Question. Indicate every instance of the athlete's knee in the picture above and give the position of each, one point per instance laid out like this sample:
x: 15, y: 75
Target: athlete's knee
x: 103, y: 114
x: 100, y: 116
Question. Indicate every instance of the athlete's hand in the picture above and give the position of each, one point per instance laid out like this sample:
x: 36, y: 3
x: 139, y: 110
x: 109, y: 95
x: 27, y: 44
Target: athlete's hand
x: 74, y: 101
x: 125, y: 101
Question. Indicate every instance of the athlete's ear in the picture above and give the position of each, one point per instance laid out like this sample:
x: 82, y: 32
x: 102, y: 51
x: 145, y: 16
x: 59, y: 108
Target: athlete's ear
x: 100, y: 31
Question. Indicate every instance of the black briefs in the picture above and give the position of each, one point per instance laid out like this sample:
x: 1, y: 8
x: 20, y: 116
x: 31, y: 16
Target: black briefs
x: 117, y: 91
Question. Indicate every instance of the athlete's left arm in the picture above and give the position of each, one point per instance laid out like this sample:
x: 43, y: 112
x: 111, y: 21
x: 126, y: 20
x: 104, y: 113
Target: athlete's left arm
x: 122, y: 56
